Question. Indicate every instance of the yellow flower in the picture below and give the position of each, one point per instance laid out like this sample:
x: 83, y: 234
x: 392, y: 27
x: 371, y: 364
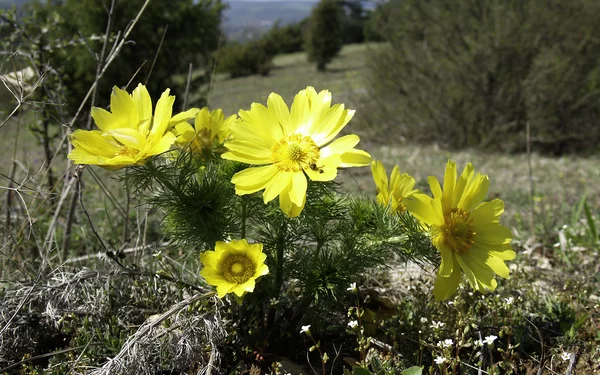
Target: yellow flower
x: 290, y: 144
x: 234, y: 266
x: 400, y: 187
x: 129, y: 134
x: 466, y: 231
x: 210, y: 129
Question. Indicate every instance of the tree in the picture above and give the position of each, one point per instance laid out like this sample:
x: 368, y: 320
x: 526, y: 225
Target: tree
x: 324, y: 37
x: 167, y: 38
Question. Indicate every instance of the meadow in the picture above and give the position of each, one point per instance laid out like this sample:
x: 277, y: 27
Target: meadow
x: 544, y: 319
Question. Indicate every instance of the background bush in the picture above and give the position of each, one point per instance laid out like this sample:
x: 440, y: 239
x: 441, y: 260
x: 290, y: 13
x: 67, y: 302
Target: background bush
x: 473, y: 74
x: 286, y: 39
x: 241, y: 60
x: 324, y: 37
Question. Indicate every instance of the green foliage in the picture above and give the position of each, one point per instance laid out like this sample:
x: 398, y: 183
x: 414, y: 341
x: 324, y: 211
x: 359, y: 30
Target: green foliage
x: 312, y: 258
x: 354, y: 18
x: 286, y: 39
x: 240, y: 60
x: 474, y: 74
x: 168, y: 37
x: 324, y: 37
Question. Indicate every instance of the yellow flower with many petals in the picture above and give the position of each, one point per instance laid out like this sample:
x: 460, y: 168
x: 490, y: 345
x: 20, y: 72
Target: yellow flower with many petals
x: 234, y: 266
x: 129, y: 134
x: 210, y: 130
x: 394, y: 192
x: 465, y: 230
x: 289, y: 145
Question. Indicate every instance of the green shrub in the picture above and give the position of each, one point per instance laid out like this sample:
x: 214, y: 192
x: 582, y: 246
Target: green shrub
x: 474, y: 74
x: 324, y: 37
x: 241, y: 60
x: 286, y: 39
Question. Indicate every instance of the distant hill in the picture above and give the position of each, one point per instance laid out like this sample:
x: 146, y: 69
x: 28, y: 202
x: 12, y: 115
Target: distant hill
x: 245, y: 19
x: 5, y: 4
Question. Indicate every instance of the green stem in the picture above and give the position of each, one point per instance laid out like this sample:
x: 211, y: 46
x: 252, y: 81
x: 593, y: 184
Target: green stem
x: 244, y: 217
x: 279, y: 265
x: 278, y: 282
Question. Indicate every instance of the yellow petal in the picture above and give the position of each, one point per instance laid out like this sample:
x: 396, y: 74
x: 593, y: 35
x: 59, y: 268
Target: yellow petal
x: 447, y: 265
x: 278, y: 183
x: 287, y: 206
x: 449, y: 182
x: 355, y: 158
x: 298, y: 190
x: 340, y: 145
x: 465, y: 176
x: 420, y: 206
x: 326, y: 169
x: 262, y: 269
x: 144, y: 104
x: 299, y: 113
x: 163, y: 145
x: 475, y: 192
x: 446, y: 286
x: 379, y: 176
x: 247, y: 132
x: 434, y: 185
x: 262, y: 122
x: 104, y: 120
x: 121, y: 105
x: 251, y: 180
x: 162, y: 114
x: 183, y: 116
x: 492, y: 234
x: 249, y: 151
x: 504, y: 255
x: 280, y: 112
x: 328, y: 124
x: 488, y: 211
x: 129, y: 137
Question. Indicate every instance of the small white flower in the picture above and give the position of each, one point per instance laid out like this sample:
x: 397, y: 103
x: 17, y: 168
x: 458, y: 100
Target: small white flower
x: 423, y: 320
x: 352, y: 323
x: 490, y: 339
x: 478, y: 343
x: 437, y: 325
x: 352, y: 287
x: 509, y: 300
x: 445, y: 344
x: 566, y: 356
x: 305, y: 329
x: 439, y: 360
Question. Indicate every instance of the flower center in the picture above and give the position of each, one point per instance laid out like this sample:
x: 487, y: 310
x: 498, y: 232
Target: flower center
x: 205, y: 138
x: 457, y: 233
x: 397, y: 205
x: 238, y: 269
x: 127, y: 151
x: 295, y: 153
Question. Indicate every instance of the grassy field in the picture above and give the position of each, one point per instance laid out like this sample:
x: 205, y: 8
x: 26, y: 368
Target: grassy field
x: 549, y: 307
x: 557, y: 183
x: 344, y: 77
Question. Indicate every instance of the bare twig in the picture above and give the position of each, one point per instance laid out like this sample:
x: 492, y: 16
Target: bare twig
x: 162, y: 39
x: 187, y: 89
x: 101, y: 58
x: 111, y: 57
